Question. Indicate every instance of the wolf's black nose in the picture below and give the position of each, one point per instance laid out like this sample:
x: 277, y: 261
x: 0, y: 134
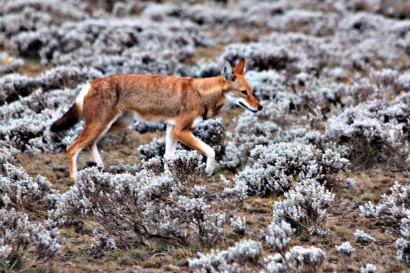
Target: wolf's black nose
x: 260, y: 107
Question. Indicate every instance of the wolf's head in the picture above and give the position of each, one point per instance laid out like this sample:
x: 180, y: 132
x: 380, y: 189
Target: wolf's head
x: 237, y: 89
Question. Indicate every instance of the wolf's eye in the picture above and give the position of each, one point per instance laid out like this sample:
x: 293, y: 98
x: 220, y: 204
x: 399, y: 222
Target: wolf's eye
x: 244, y: 92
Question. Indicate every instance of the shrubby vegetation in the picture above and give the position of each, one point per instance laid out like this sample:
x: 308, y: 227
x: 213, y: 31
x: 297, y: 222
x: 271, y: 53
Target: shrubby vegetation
x: 148, y: 205
x: 333, y: 77
x: 247, y: 256
x: 22, y: 240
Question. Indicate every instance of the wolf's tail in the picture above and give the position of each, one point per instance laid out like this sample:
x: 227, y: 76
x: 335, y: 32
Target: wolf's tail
x: 68, y: 120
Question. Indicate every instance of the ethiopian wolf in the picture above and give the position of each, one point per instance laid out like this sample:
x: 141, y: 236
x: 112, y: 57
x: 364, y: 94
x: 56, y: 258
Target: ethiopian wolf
x: 112, y: 103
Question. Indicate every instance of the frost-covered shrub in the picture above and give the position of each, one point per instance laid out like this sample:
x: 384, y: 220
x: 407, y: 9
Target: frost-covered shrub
x: 305, y: 206
x: 247, y: 256
x: 279, y: 235
x: 369, y: 133
x: 351, y: 183
x: 18, y: 189
x: 239, y: 225
x: 21, y: 15
x: 41, y: 109
x: 114, y: 46
x: 242, y: 257
x: 267, y: 85
x: 363, y: 237
x: 345, y: 248
x: 235, y: 194
x: 24, y: 241
x: 300, y: 257
x: 309, y: 22
x: 263, y: 56
x: 14, y: 85
x: 402, y: 83
x: 296, y: 259
x: 369, y: 268
x: 395, y: 205
x: 146, y: 126
x: 143, y: 205
x: 405, y: 224
x: 156, y: 148
x: 7, y: 154
x: 276, y: 167
x: 232, y: 158
x: 403, y: 251
x: 275, y: 123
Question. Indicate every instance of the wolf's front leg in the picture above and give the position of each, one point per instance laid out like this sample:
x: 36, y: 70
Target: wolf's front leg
x: 170, y: 144
x: 210, y: 162
x: 186, y: 137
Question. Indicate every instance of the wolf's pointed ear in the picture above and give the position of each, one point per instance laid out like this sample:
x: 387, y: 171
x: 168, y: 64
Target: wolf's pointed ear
x: 240, y: 67
x: 227, y: 72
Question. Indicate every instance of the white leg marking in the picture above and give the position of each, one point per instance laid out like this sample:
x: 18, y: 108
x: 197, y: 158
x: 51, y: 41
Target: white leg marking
x: 80, y: 99
x: 94, y: 150
x: 96, y: 155
x: 169, y: 140
x: 74, y: 160
x: 197, y: 121
x: 210, y: 158
x: 174, y: 145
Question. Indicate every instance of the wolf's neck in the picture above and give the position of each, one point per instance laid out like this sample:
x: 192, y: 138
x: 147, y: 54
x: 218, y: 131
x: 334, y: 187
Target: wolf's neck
x: 211, y: 91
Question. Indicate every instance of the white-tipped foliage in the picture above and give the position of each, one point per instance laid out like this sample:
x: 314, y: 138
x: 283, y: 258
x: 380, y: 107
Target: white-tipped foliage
x: 185, y: 165
x: 19, y: 237
x: 279, y: 235
x: 403, y: 251
x: 300, y: 257
x: 276, y: 167
x: 394, y: 205
x: 240, y: 258
x: 363, y: 237
x: 305, y: 206
x: 369, y: 268
x: 18, y: 189
x: 145, y: 204
x: 345, y: 248
x: 237, y: 193
x: 239, y: 225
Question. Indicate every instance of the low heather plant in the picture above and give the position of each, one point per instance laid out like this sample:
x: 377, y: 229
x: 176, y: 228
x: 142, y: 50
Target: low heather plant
x: 145, y: 205
x: 363, y: 237
x: 19, y: 190
x: 277, y: 167
x: 185, y: 165
x: 403, y: 251
x: 243, y: 257
x: 22, y: 241
x: 369, y: 268
x: 239, y: 225
x: 305, y: 206
x: 345, y: 248
x: 394, y: 205
x: 279, y: 235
